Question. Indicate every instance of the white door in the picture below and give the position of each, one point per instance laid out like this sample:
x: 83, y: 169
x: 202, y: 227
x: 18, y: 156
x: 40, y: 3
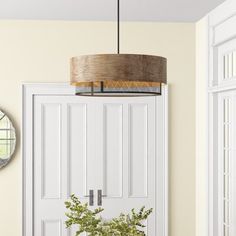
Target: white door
x: 91, y: 143
x: 221, y: 120
x: 227, y: 163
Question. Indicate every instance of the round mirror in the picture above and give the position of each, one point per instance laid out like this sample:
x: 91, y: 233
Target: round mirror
x: 7, y: 139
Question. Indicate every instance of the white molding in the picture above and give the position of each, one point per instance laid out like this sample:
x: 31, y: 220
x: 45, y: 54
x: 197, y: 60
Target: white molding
x: 207, y: 131
x: 166, y: 159
x: 216, y: 20
x: 28, y: 92
x: 222, y: 13
x: 27, y: 208
x: 222, y: 88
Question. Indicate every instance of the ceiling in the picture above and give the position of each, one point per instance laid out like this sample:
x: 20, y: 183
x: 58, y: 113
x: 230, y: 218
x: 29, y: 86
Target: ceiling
x: 99, y: 10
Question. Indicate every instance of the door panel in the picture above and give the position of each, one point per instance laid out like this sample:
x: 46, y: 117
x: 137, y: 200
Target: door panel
x: 51, y: 227
x: 113, y: 146
x: 226, y: 163
x: 50, y: 167
x: 138, y: 161
x: 77, y: 147
x: 51, y: 151
x: 83, y: 143
x: 138, y: 154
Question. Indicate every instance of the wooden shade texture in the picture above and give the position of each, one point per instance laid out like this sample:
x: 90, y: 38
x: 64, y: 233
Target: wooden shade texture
x: 118, y: 71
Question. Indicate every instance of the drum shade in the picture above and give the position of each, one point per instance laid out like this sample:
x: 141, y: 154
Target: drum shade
x: 118, y: 73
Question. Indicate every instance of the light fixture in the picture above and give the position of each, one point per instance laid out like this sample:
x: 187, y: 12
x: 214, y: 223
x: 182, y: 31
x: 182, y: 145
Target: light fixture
x: 113, y: 74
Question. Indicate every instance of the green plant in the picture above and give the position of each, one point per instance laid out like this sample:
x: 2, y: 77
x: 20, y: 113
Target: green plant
x: 90, y: 222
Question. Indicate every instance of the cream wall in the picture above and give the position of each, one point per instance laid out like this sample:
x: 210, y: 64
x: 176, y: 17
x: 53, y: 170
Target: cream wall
x: 39, y: 51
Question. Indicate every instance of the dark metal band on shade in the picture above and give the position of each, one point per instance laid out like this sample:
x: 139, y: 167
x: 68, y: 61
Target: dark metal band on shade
x: 120, y: 89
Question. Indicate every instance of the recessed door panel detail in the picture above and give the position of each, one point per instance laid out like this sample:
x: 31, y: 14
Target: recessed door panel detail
x: 72, y: 231
x: 225, y: 64
x: 51, y: 228
x: 230, y: 65
x: 77, y: 133
x: 227, y: 126
x: 51, y: 151
x: 113, y: 150
x: 138, y: 148
x: 226, y: 163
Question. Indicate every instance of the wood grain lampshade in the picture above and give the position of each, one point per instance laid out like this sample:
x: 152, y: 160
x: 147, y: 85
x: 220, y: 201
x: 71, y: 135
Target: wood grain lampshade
x: 118, y: 73
x: 105, y: 74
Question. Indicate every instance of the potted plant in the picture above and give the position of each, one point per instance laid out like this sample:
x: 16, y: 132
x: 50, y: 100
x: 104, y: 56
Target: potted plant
x: 90, y: 221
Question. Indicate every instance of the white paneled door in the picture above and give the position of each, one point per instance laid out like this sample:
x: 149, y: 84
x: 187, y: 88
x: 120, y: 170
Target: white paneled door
x: 96, y: 143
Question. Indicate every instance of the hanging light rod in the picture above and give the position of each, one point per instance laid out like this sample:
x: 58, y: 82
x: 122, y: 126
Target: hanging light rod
x: 118, y: 74
x: 118, y: 26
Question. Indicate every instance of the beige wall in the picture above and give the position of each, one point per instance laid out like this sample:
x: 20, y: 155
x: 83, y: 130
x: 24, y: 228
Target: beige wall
x: 201, y: 127
x: 39, y: 51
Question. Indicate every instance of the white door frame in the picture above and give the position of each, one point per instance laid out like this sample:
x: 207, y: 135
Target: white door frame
x: 221, y: 21
x: 28, y: 93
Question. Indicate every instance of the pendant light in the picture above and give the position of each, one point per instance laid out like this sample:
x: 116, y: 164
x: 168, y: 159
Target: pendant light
x: 118, y: 74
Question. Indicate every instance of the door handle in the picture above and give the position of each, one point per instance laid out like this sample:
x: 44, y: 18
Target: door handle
x: 100, y: 196
x: 91, y: 196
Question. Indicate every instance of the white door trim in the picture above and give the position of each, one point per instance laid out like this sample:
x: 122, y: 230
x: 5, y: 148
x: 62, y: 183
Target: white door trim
x: 220, y: 22
x: 28, y: 93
